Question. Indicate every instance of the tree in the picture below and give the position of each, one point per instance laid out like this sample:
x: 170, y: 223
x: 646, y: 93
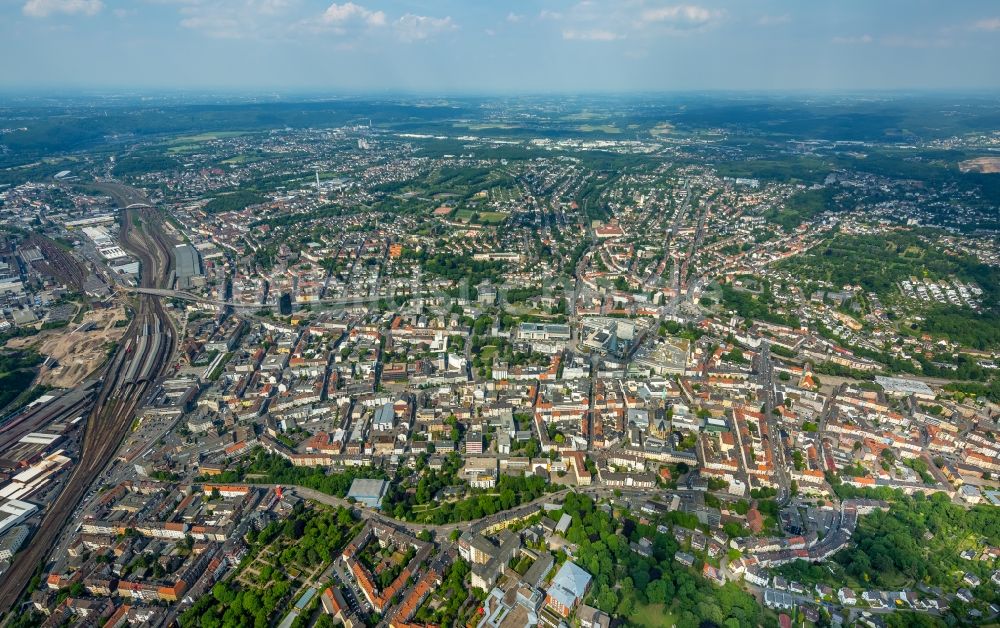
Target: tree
x: 656, y: 592
x: 607, y: 600
x: 222, y: 593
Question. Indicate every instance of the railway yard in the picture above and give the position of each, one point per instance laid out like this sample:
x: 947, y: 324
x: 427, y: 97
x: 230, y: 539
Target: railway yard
x: 118, y: 390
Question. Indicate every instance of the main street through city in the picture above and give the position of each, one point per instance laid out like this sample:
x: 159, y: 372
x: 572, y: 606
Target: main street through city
x: 765, y: 375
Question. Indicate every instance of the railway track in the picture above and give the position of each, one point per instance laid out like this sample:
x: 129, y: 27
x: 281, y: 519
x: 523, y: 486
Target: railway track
x: 127, y: 382
x: 59, y: 263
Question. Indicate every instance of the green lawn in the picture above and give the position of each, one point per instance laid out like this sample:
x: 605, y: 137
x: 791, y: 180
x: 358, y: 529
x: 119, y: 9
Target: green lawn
x: 492, y: 218
x: 242, y: 159
x: 183, y: 148
x: 206, y: 137
x: 481, y: 217
x: 652, y: 616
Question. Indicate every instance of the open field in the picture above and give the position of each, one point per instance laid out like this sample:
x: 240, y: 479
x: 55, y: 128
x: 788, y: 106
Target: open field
x: 78, y: 353
x: 485, y: 126
x: 661, y: 129
x: 192, y: 143
x: 242, y: 159
x: 205, y: 137
x: 483, y: 217
x: 599, y: 128
x: 583, y: 115
x: 984, y: 165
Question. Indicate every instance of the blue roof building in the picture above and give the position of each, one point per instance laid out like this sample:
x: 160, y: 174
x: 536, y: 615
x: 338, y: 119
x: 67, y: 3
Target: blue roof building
x: 368, y: 492
x: 569, y: 587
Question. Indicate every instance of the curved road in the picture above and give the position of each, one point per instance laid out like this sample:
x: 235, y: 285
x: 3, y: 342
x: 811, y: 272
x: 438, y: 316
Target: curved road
x: 448, y: 528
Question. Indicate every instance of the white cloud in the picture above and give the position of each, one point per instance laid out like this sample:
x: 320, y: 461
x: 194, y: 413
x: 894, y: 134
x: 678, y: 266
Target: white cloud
x: 853, y: 40
x: 905, y: 41
x: 270, y: 7
x: 611, y: 20
x: 218, y: 26
x: 347, y: 12
x: 681, y: 14
x: 340, y: 18
x: 235, y: 19
x: 987, y: 24
x: 45, y: 8
x: 412, y: 27
x: 514, y: 18
x: 774, y: 20
x: 594, y: 34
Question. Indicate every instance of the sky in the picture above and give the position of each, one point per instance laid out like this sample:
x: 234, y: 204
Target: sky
x: 490, y: 46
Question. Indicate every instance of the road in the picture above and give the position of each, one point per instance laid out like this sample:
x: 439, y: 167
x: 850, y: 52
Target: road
x: 125, y: 385
x: 766, y: 380
x: 237, y: 305
x: 443, y: 530
x: 415, y: 528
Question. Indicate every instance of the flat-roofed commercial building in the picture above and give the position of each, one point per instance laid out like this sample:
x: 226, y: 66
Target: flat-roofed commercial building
x: 188, y: 266
x: 13, y: 512
x: 543, y: 331
x: 368, y: 492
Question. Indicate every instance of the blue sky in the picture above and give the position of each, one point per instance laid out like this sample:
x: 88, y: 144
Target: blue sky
x: 491, y: 46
